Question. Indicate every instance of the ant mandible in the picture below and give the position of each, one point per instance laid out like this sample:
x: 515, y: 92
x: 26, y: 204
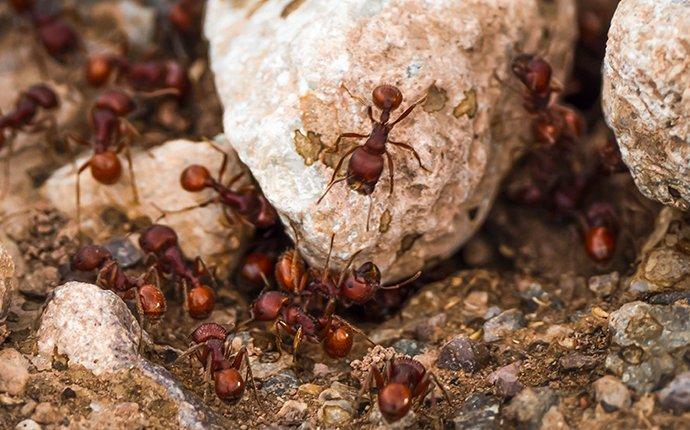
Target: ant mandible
x: 366, y: 164
x: 403, y: 382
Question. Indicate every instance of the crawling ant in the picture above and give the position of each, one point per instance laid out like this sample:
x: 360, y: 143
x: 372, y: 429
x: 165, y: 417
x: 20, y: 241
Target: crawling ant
x: 366, y: 164
x: 161, y: 241
x: 210, y: 347
x: 600, y: 232
x: 403, y: 382
x: 149, y: 299
x: 23, y: 117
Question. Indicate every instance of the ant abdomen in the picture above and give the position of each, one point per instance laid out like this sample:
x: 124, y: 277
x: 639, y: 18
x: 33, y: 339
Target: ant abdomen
x: 157, y: 238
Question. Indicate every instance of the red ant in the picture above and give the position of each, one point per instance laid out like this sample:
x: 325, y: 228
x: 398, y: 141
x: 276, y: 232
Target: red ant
x: 209, y: 345
x: 23, y: 117
x: 403, y: 382
x: 600, y: 232
x: 366, y: 164
x: 111, y: 133
x: 257, y: 267
x: 149, y: 299
x: 161, y: 241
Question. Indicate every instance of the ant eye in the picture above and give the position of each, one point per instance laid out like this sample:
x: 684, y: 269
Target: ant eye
x: 387, y: 97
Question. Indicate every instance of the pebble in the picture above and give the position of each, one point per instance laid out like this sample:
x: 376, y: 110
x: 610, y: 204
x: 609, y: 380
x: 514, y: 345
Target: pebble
x: 124, y: 251
x: 281, y: 384
x: 46, y: 413
x: 461, y: 353
x: 676, y: 395
x: 430, y: 329
x: 478, y: 412
x: 292, y: 412
x: 506, y: 322
x: 14, y: 372
x: 611, y: 393
x: 554, y: 420
x: 529, y: 406
x: 408, y: 347
x: 334, y: 413
x: 576, y: 360
x: 27, y: 425
x: 38, y: 283
x: 604, y: 285
x: 505, y: 380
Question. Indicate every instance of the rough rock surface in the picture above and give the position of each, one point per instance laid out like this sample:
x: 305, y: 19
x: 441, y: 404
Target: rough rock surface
x: 647, y: 92
x: 280, y: 78
x: 14, y: 372
x: 6, y: 287
x: 202, y: 231
x: 103, y: 338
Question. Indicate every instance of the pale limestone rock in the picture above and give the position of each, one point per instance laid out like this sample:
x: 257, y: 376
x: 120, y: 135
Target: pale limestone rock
x: 202, y: 231
x: 279, y: 74
x: 646, y: 95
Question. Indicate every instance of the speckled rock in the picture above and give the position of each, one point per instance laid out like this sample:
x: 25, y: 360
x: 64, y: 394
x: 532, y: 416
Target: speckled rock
x: 505, y: 380
x: 478, y: 412
x: 611, y: 393
x: 646, y: 93
x: 280, y: 78
x: 202, y: 231
x: 461, y: 353
x: 14, y: 372
x: 502, y: 324
x: 530, y: 405
x: 7, y: 286
x: 676, y: 395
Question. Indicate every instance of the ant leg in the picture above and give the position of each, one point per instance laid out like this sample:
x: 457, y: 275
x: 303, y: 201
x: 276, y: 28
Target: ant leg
x: 355, y: 329
x: 441, y: 387
x: 250, y: 377
x: 403, y: 283
x: 208, y: 378
x: 185, y: 302
x: 295, y: 343
x: 391, y: 172
x: 342, y: 136
x: 181, y: 210
x: 141, y: 318
x: 234, y: 179
x: 132, y: 178
x: 189, y: 352
x: 324, y: 275
x: 374, y: 380
x: 355, y: 97
x: 409, y: 110
x: 506, y: 84
x: 347, y: 267
x: 199, y: 263
x: 371, y: 206
x: 414, y: 152
x: 78, y: 191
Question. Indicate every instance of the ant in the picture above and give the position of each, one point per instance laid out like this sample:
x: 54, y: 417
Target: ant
x: 161, y: 241
x: 185, y: 16
x: 600, y: 232
x: 403, y: 382
x: 210, y: 347
x: 23, y: 116
x: 149, y: 299
x: 247, y: 204
x: 257, y: 267
x: 366, y: 164
x: 111, y: 133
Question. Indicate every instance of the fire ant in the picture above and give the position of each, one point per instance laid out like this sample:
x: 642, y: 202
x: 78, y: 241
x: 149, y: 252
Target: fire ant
x: 403, y: 382
x: 366, y: 164
x: 248, y: 204
x: 149, y: 299
x: 600, y: 232
x: 209, y: 346
x: 24, y: 116
x: 161, y: 241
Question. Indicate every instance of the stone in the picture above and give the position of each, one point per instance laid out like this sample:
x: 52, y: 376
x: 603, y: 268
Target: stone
x: 281, y: 81
x: 576, y: 360
x: 505, y: 380
x: 664, y: 269
x: 7, y: 287
x: 645, y: 95
x: 136, y: 21
x: 335, y: 413
x: 506, y: 322
x: 281, y: 384
x: 554, y: 420
x: 408, y: 347
x: 603, y: 285
x: 45, y: 413
x: 612, y: 394
x: 676, y: 395
x: 461, y: 353
x: 14, y: 372
x: 292, y: 412
x: 202, y: 231
x: 125, y: 252
x: 530, y: 405
x: 40, y: 282
x: 27, y: 425
x: 478, y: 412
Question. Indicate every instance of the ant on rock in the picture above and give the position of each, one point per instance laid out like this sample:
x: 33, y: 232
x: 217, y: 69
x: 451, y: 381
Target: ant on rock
x: 23, y: 118
x: 403, y: 382
x: 365, y: 167
x: 149, y: 299
x: 161, y: 241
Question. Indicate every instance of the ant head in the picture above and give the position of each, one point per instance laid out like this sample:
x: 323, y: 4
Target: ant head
x: 117, y: 101
x: 387, y: 97
x: 43, y: 95
x: 208, y: 331
x: 229, y: 384
x: 289, y: 270
x: 146, y: 75
x: 106, y: 167
x: 157, y: 238
x: 268, y: 305
x: 153, y: 303
x: 394, y: 401
x: 363, y: 283
x: 21, y: 6
x: 98, y: 70
x: 90, y: 257
x: 200, y: 302
x: 533, y: 71
x: 600, y: 243
x: 195, y: 178
x: 257, y: 266
x: 58, y: 38
x: 338, y: 342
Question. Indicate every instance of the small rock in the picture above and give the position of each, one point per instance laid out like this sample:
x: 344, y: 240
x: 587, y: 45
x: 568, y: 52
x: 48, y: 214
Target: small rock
x: 492, y: 312
x: 476, y: 303
x: 40, y: 282
x: 461, y: 353
x: 124, y: 251
x: 335, y: 413
x: 554, y: 420
x: 45, y: 413
x: 604, y: 285
x: 578, y: 361
x: 430, y: 329
x: 282, y: 384
x: 136, y: 21
x: 376, y: 356
x: 653, y: 328
x: 28, y: 408
x: 676, y: 395
x: 126, y: 415
x: 14, y: 372
x: 663, y: 269
x: 7, y: 286
x: 497, y: 327
x: 408, y: 347
x: 612, y: 394
x: 529, y: 406
x: 505, y: 380
x: 28, y: 425
x: 478, y: 412
x: 292, y: 412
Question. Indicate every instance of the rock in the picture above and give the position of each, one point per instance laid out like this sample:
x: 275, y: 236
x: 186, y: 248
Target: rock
x: 280, y: 80
x: 376, y: 356
x: 554, y: 420
x: 576, y: 360
x: 202, y: 231
x: 281, y: 384
x: 504, y: 323
x: 40, y: 282
x: 461, y: 353
x: 45, y: 413
x: 27, y: 425
x: 292, y: 412
x: 604, y: 285
x: 530, y: 405
x: 408, y: 347
x: 430, y: 329
x: 125, y: 252
x: 14, y: 372
x: 645, y: 95
x: 505, y: 380
x: 119, y: 415
x: 676, y: 395
x: 136, y: 21
x: 93, y: 328
x: 478, y: 412
x: 7, y: 286
x: 611, y: 393
x: 335, y: 413
x: 663, y: 270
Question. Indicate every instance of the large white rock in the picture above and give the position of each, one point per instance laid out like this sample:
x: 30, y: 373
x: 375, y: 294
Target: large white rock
x: 279, y: 74
x: 202, y: 231
x: 647, y: 95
